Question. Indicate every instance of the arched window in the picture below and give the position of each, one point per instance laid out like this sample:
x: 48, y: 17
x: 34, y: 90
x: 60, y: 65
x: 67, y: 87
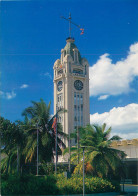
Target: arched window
x: 85, y: 70
x: 75, y: 55
x: 69, y: 67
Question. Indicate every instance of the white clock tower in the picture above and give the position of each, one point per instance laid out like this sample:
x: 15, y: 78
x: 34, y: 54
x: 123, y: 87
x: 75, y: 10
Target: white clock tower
x: 71, y: 88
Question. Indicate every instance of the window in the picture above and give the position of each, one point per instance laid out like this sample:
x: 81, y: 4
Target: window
x: 78, y: 109
x: 77, y: 71
x: 59, y: 100
x: 75, y: 55
x: 78, y: 118
x: 74, y: 98
x: 85, y: 70
x: 69, y: 67
x: 60, y: 71
x: 81, y: 98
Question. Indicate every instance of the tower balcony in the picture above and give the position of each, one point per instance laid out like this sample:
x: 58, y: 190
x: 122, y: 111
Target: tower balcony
x: 79, y: 74
x: 59, y: 76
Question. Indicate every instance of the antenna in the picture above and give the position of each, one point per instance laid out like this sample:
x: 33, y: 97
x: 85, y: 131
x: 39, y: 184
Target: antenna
x: 70, y: 22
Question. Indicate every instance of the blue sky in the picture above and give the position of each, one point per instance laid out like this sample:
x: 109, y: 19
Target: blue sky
x: 32, y: 36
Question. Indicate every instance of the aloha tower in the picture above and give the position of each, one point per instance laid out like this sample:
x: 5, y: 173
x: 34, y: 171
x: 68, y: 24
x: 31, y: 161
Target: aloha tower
x: 71, y: 88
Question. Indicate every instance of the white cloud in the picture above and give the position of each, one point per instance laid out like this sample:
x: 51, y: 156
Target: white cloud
x: 107, y: 78
x: 8, y: 95
x: 24, y: 86
x: 1, y: 93
x: 48, y: 75
x: 102, y: 97
x: 123, y: 120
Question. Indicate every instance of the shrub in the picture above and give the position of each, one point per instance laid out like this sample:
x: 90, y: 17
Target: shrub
x: 74, y: 185
x: 54, y: 185
x: 32, y: 185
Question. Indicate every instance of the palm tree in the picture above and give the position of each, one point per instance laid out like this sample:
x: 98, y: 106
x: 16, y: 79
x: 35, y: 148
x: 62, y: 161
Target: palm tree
x: 39, y: 118
x: 100, y: 158
x: 12, y: 141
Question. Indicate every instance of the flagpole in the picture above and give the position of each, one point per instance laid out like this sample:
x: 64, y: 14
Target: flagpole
x: 56, y: 144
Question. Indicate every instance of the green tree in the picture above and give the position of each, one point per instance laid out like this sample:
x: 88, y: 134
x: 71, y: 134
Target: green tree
x: 12, y: 138
x: 39, y: 118
x: 100, y: 158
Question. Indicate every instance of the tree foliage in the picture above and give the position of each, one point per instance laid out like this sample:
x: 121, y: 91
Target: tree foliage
x: 100, y: 158
x: 19, y: 139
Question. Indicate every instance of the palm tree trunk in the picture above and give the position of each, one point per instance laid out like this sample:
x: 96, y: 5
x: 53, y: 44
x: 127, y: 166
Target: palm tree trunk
x: 17, y: 159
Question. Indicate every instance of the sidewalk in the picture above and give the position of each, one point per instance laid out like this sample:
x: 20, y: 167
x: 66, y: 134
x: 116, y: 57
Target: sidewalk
x: 130, y: 188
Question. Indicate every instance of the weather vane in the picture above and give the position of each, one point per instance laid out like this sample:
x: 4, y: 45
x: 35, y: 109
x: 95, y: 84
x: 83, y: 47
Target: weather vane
x: 70, y: 22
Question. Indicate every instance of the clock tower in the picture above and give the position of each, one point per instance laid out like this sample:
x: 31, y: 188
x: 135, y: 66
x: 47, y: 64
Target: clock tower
x: 71, y: 88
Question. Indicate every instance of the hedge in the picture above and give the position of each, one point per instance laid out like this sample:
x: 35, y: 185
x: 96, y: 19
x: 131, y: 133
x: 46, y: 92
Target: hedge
x: 54, y: 185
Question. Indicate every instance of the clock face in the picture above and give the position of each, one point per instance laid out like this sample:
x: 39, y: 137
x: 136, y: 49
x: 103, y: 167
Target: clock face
x: 59, y: 85
x: 78, y: 85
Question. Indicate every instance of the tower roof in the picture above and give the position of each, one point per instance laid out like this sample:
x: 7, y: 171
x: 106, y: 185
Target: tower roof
x: 70, y: 46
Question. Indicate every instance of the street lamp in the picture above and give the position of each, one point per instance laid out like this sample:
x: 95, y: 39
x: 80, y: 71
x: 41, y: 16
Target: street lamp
x: 69, y: 154
x: 56, y: 141
x: 37, y: 150
x: 83, y: 147
x: 83, y: 172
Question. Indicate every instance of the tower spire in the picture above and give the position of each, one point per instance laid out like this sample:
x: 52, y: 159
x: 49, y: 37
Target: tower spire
x: 69, y: 25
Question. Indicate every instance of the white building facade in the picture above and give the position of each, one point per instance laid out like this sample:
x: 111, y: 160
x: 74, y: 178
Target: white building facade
x: 71, y: 88
x: 130, y: 147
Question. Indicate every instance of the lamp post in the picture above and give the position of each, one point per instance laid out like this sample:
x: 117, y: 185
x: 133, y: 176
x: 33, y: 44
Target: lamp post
x: 37, y: 150
x: 123, y: 178
x: 56, y: 142
x: 83, y: 147
x: 69, y: 154
x: 78, y: 141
